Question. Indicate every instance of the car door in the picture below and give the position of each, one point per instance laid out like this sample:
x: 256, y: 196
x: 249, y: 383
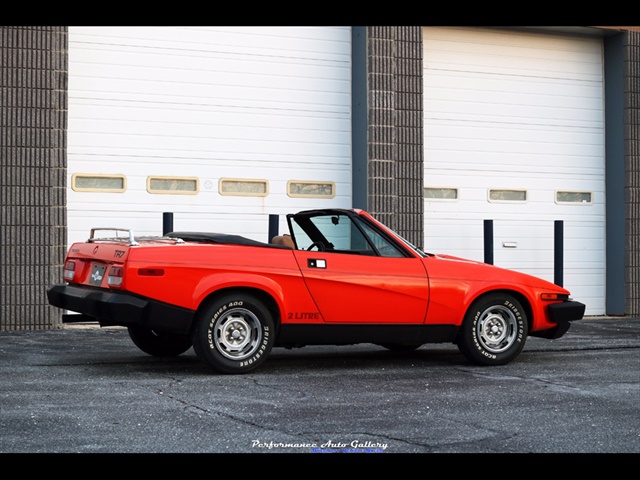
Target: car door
x: 362, y: 277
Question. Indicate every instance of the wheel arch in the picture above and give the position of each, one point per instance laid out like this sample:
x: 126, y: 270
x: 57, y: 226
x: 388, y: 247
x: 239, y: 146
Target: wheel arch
x: 270, y: 303
x: 519, y: 296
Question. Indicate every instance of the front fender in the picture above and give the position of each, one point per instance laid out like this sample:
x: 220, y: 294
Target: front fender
x: 450, y: 299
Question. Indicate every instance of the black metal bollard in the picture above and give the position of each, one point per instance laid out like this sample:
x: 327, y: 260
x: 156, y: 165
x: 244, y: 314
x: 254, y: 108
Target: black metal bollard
x: 274, y: 220
x: 558, y: 253
x: 167, y: 222
x: 488, y: 242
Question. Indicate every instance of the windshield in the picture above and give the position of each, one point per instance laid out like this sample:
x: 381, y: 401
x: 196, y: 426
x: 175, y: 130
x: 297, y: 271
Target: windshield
x: 342, y: 232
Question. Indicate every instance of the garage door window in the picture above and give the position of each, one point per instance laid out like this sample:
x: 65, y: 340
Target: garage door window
x: 81, y: 182
x: 507, y: 196
x: 173, y: 185
x: 298, y: 188
x: 243, y: 187
x: 574, y: 198
x: 435, y: 193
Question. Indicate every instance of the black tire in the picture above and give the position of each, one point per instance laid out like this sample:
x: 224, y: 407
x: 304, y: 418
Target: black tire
x: 159, y: 344
x: 234, y: 334
x: 494, y: 330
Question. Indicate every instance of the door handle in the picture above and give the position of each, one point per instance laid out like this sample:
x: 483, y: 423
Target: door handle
x: 316, y: 263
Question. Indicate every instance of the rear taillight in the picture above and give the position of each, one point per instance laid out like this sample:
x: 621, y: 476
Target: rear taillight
x: 69, y: 270
x: 114, y: 279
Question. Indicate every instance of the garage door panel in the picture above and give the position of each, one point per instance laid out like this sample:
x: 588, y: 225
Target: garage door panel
x: 319, y: 42
x: 172, y: 74
x: 531, y: 140
x: 452, y: 85
x: 506, y: 146
x: 556, y: 135
x: 143, y: 143
x: 485, y: 113
x: 538, y: 117
x: 205, y: 111
x: 231, y: 57
x: 296, y: 99
x: 187, y: 132
x: 517, y: 43
x: 523, y: 244
x: 511, y: 161
x: 513, y: 65
x: 146, y: 117
x: 236, y: 159
x: 509, y: 52
x: 460, y: 161
x: 472, y: 212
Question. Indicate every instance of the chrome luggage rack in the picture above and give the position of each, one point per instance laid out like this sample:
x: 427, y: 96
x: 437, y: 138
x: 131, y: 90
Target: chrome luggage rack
x: 130, y: 238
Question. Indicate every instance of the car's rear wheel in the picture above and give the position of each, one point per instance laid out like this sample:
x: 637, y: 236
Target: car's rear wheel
x: 494, y: 330
x: 234, y: 334
x: 158, y: 344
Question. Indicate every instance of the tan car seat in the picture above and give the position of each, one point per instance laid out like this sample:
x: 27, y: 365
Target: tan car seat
x: 284, y: 240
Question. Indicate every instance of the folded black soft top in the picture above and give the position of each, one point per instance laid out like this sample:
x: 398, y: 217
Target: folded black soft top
x: 224, y: 238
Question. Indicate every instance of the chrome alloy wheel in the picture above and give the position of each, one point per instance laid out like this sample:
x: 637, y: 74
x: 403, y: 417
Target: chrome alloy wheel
x: 237, y: 334
x: 497, y: 329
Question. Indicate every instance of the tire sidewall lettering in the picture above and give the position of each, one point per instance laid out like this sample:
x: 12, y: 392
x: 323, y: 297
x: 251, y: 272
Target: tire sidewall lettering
x: 261, y: 350
x: 519, y: 319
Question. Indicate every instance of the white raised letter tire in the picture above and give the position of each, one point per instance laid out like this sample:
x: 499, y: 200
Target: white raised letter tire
x: 494, y: 330
x: 234, y: 334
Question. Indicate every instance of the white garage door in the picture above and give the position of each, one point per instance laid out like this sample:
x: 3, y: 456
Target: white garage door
x: 220, y: 125
x: 514, y: 133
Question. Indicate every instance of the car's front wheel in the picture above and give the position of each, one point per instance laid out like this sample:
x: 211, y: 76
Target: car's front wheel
x: 494, y: 330
x: 158, y: 344
x: 234, y: 334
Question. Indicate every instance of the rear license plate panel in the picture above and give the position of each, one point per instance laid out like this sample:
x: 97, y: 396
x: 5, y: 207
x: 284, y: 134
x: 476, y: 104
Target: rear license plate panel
x: 97, y: 274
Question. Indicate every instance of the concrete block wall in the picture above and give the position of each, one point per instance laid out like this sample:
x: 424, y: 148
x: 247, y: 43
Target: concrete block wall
x: 33, y: 132
x: 632, y: 171
x: 395, y: 122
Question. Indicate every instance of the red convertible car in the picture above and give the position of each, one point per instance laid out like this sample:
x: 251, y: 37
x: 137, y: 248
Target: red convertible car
x: 339, y: 277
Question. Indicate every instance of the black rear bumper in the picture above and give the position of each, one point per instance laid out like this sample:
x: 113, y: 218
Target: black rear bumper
x: 563, y: 314
x: 111, y: 308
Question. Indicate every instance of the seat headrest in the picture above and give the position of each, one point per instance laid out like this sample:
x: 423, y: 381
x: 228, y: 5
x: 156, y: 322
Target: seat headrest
x: 284, y: 240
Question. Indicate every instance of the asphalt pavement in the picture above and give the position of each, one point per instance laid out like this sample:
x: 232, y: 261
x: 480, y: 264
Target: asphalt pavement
x: 85, y: 389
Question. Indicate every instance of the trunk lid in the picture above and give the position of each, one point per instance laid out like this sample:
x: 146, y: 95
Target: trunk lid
x: 100, y: 261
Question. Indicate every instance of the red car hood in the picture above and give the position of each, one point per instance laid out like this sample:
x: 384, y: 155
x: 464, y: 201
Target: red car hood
x: 450, y: 267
